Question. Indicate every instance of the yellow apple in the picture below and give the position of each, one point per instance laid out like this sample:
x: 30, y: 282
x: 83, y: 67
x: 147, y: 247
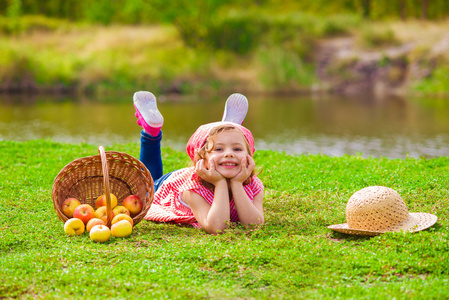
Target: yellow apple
x: 69, y: 205
x: 121, y: 210
x: 84, y: 212
x: 120, y: 217
x: 74, y: 226
x: 133, y: 204
x: 94, y: 221
x: 101, y: 201
x: 100, y: 233
x: 101, y: 213
x: 121, y: 229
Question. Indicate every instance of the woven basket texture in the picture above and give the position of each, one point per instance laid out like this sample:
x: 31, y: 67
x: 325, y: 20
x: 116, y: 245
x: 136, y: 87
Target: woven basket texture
x: 83, y: 179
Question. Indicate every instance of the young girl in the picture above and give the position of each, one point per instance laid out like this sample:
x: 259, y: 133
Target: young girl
x: 220, y: 187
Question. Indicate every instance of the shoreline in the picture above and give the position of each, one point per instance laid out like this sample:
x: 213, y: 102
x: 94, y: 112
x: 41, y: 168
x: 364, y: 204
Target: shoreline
x: 404, y: 58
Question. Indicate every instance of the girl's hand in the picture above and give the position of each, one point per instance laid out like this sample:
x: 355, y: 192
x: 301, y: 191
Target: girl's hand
x: 247, y: 167
x: 210, y: 175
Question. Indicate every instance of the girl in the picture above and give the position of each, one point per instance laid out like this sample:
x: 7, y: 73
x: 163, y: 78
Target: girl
x: 220, y: 187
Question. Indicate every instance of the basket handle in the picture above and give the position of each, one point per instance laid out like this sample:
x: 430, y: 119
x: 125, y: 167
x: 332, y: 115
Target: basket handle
x: 107, y: 189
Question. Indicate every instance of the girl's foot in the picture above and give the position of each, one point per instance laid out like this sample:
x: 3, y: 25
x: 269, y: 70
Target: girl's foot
x: 148, y: 117
x: 235, y: 109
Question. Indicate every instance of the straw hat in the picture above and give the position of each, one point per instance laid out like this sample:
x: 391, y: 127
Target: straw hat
x: 378, y: 209
x: 199, y: 137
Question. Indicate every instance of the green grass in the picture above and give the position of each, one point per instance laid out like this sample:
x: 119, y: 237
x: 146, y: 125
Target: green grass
x: 435, y: 84
x: 292, y: 256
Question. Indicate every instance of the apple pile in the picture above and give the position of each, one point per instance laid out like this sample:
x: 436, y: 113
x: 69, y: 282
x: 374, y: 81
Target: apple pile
x: 84, y: 217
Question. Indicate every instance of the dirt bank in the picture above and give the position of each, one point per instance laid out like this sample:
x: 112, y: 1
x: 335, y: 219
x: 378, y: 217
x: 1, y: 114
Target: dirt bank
x: 343, y: 67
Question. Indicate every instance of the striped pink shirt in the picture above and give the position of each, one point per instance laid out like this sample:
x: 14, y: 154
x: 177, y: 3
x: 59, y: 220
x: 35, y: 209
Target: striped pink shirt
x: 166, y: 206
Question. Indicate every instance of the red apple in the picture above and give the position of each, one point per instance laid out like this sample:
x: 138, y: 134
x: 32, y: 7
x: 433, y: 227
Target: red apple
x: 133, y: 204
x: 100, y: 233
x: 94, y: 221
x: 101, y: 213
x: 74, y: 226
x: 121, y: 210
x: 69, y: 205
x: 101, y: 201
x: 84, y: 212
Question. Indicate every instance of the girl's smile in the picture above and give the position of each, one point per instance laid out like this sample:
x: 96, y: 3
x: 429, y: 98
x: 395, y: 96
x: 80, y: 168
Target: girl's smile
x: 228, y: 165
x: 228, y: 152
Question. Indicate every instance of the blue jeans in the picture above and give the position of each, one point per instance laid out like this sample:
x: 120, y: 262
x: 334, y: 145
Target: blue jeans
x: 150, y: 156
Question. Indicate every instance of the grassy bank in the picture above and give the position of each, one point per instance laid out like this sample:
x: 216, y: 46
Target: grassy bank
x: 292, y: 256
x: 249, y: 52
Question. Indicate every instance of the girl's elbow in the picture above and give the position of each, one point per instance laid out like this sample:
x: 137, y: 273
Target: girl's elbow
x: 217, y: 229
x: 215, y: 232
x: 258, y: 221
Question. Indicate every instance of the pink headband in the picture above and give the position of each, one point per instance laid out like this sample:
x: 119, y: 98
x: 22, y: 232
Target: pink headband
x: 199, y: 137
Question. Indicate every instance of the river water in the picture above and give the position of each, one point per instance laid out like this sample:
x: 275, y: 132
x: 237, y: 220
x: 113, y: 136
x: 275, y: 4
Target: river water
x: 391, y: 127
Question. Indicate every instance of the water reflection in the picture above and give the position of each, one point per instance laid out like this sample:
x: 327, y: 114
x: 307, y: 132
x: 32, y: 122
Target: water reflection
x: 392, y: 127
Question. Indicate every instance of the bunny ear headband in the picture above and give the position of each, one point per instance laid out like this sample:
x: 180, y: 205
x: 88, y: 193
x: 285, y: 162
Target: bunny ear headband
x: 199, y: 137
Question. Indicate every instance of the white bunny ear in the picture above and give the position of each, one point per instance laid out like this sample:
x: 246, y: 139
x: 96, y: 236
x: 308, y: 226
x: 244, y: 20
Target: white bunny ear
x: 236, y: 108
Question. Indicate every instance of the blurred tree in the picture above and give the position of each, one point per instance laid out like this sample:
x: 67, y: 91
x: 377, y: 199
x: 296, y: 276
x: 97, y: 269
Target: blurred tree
x: 136, y: 12
x: 192, y: 18
x: 200, y: 12
x: 402, y: 10
x: 366, y: 9
x: 99, y: 11
x: 425, y: 5
x: 14, y: 9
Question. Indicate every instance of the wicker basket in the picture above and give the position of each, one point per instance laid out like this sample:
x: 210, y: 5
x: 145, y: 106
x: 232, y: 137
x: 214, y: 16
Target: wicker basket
x: 83, y: 179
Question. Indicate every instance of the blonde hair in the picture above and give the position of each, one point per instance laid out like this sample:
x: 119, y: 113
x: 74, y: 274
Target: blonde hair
x: 209, y: 145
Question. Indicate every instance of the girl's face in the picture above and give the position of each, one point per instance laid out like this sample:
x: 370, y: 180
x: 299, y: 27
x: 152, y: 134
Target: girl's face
x: 228, y: 152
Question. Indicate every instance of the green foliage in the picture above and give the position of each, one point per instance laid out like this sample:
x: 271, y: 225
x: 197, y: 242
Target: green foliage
x: 336, y: 24
x: 436, y: 83
x: 99, y: 11
x: 376, y: 36
x: 151, y: 11
x: 79, y: 59
x: 41, y: 67
x: 292, y: 256
x: 273, y: 46
x: 239, y: 33
x: 31, y: 23
x: 384, y: 9
x: 285, y: 70
x: 14, y: 10
x: 137, y: 12
x: 302, y: 23
x: 286, y: 53
x: 243, y: 31
x: 282, y: 45
x: 15, y: 66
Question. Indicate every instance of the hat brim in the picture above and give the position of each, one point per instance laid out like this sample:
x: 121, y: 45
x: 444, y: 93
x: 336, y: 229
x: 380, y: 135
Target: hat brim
x: 415, y: 222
